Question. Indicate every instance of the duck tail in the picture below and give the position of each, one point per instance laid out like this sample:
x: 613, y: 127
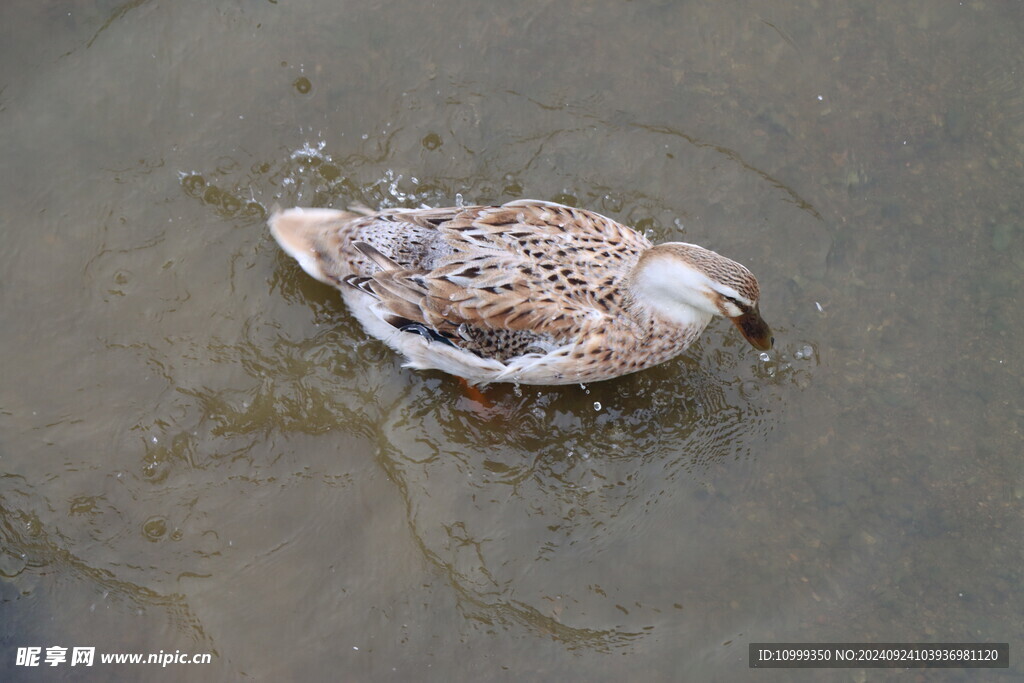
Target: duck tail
x: 306, y: 234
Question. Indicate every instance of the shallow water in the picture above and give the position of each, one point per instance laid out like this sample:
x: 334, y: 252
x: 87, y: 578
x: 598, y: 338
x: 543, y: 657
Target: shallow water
x: 201, y: 451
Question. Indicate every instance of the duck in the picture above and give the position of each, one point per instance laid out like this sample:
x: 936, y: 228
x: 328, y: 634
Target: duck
x: 530, y: 292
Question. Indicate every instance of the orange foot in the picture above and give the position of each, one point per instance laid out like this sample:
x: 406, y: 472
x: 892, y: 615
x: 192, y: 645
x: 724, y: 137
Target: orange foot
x: 474, y: 394
x: 484, y: 408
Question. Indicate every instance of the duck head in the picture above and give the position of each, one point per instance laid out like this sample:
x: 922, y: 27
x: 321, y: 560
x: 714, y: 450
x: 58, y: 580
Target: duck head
x: 689, y: 284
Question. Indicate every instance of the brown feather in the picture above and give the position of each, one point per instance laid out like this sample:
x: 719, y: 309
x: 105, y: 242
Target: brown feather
x: 496, y: 259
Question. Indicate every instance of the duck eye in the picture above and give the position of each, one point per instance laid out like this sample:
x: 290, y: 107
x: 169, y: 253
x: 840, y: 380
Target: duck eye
x: 737, y: 303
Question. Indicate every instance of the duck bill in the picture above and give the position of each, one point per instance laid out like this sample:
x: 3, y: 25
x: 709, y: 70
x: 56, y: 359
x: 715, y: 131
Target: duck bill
x: 754, y: 329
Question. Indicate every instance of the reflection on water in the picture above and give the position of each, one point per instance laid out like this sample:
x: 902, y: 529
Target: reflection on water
x: 576, y: 482
x: 28, y: 548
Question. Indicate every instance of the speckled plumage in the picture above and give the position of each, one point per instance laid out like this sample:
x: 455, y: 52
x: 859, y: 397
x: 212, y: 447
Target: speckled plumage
x: 531, y: 291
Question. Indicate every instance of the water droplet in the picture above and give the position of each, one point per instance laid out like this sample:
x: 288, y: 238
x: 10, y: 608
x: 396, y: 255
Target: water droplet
x: 431, y: 141
x: 597, y: 405
x: 764, y: 356
x: 154, y: 528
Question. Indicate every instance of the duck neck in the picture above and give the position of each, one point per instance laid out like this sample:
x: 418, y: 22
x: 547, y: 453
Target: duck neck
x: 667, y: 290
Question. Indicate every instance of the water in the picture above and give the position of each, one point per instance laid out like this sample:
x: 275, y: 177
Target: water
x: 203, y: 452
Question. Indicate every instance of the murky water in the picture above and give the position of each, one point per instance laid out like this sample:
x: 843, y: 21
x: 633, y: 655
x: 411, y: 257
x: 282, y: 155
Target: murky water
x: 201, y: 451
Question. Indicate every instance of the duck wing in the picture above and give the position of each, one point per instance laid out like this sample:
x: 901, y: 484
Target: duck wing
x: 528, y: 276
